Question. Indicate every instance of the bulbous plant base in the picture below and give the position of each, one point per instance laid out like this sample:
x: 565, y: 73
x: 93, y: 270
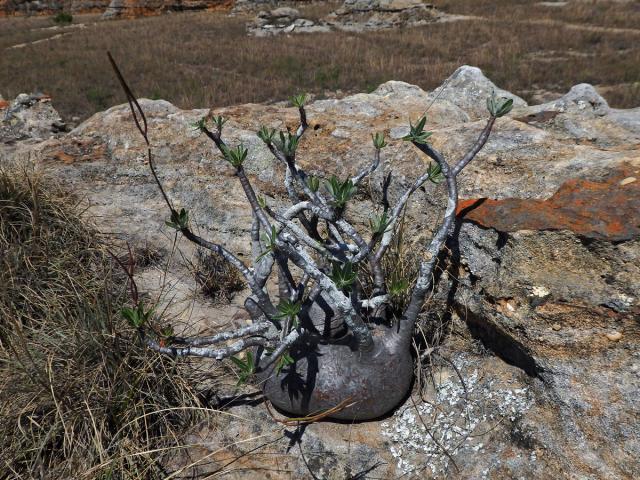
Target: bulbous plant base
x: 326, y: 375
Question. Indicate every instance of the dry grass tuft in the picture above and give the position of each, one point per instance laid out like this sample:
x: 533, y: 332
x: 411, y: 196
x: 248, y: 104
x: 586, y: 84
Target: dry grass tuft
x: 217, y: 278
x: 80, y: 397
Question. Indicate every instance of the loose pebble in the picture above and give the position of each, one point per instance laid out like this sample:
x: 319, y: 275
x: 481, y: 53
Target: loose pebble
x: 627, y: 181
x: 540, y: 291
x: 614, y: 336
x: 556, y: 326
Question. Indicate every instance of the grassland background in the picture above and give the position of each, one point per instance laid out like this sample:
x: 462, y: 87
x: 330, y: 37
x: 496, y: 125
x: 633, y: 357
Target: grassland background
x: 205, y: 59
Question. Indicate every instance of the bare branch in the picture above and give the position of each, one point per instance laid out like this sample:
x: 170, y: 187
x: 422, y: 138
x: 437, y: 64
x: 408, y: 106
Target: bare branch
x: 218, y: 354
x: 470, y: 155
x: 368, y: 170
x: 424, y: 281
x: 299, y: 233
x: 349, y: 230
x: 252, y: 329
x: 251, y: 196
x: 286, y: 343
x: 340, y: 301
x: 303, y: 122
x: 375, y: 302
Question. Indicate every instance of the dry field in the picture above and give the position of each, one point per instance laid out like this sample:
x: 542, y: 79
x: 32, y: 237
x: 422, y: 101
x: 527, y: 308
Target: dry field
x: 205, y: 59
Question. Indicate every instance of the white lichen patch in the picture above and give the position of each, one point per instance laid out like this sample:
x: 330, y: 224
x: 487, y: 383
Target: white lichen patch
x: 426, y: 436
x: 540, y: 291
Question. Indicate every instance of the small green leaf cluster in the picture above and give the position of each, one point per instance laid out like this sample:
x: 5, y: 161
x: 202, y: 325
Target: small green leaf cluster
x: 417, y: 133
x: 287, y: 143
x: 499, y: 107
x: 137, y: 316
x: 379, y: 223
x: 379, y: 141
x: 200, y: 125
x: 235, y: 156
x: 341, y: 192
x: 219, y: 121
x: 435, y: 173
x: 247, y: 367
x: 266, y: 134
x: 269, y: 239
x: 398, y: 287
x: 289, y: 310
x: 167, y: 331
x: 179, y: 220
x: 313, y: 183
x: 283, y: 361
x: 343, y: 275
x: 299, y: 100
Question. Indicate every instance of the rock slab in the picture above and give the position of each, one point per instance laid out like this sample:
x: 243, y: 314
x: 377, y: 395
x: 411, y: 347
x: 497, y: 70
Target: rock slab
x: 541, y: 292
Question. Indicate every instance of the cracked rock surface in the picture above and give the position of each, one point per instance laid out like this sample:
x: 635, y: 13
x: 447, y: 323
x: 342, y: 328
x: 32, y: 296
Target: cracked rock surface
x: 541, y: 295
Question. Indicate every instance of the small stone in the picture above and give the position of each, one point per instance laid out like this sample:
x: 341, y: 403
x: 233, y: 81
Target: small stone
x: 614, y: 336
x: 556, y: 326
x: 627, y: 181
x: 539, y: 291
x: 23, y: 99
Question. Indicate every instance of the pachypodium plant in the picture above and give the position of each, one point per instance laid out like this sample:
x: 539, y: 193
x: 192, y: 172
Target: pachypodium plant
x: 332, y: 338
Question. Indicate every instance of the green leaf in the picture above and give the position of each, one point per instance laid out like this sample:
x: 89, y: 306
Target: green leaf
x: 379, y: 141
x: 239, y: 363
x: 379, y: 223
x: 504, y: 107
x: 250, y: 363
x: 313, y: 183
x: 266, y: 135
x: 288, y: 309
x: 341, y: 192
x: 179, y: 220
x: 287, y: 143
x: 263, y: 254
x: 299, y: 100
x: 200, y: 125
x: 130, y: 315
x: 247, y: 367
x: 417, y: 133
x: 137, y: 316
x: 167, y: 331
x: 235, y: 156
x: 398, y: 287
x: 283, y: 361
x: 435, y: 173
x: 270, y: 239
x: 343, y: 275
x: 219, y: 122
x: 499, y: 107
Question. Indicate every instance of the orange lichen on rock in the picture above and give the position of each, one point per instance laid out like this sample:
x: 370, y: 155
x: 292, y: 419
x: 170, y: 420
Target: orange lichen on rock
x: 605, y: 210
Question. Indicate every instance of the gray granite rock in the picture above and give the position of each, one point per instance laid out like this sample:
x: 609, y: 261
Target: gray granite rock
x: 540, y: 297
